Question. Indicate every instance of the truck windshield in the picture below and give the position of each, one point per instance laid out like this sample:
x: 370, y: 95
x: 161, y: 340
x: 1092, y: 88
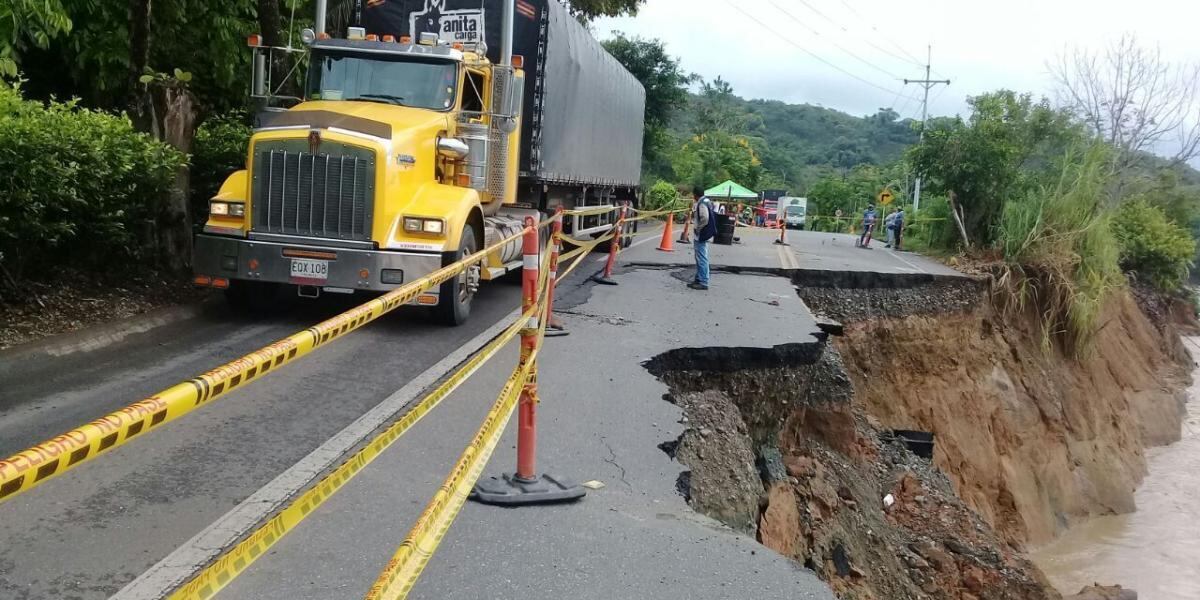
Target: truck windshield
x: 795, y: 211
x: 381, y: 78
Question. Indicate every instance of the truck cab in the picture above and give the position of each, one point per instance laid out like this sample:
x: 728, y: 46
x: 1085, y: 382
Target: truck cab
x: 401, y: 157
x: 794, y: 211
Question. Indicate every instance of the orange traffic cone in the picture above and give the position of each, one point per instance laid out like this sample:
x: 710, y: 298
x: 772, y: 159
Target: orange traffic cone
x: 668, y: 238
x: 687, y: 225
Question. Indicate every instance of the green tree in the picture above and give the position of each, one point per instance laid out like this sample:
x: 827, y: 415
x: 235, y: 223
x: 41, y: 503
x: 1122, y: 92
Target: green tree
x: 1153, y: 246
x: 996, y: 154
x: 94, y: 63
x: 666, y: 89
x: 25, y: 23
x: 586, y: 10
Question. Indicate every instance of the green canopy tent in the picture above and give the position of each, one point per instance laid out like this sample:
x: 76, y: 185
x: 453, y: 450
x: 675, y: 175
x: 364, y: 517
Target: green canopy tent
x: 730, y: 190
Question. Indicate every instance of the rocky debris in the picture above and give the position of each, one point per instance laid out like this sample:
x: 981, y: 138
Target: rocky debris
x: 816, y: 495
x: 844, y: 305
x: 828, y: 325
x: 1099, y: 592
x: 723, y: 482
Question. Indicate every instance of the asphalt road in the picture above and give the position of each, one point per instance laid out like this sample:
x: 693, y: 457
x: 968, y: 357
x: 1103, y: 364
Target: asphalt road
x: 601, y: 417
x: 90, y: 531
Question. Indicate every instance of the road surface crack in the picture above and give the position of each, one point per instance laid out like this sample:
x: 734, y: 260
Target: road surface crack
x: 612, y: 460
x: 606, y: 319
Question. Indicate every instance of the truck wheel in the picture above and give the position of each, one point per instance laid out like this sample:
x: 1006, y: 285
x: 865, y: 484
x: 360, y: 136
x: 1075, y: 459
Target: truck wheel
x: 627, y: 239
x: 455, y: 295
x: 252, y: 297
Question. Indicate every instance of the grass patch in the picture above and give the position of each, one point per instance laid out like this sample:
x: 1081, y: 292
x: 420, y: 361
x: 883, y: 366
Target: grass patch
x: 1060, y: 254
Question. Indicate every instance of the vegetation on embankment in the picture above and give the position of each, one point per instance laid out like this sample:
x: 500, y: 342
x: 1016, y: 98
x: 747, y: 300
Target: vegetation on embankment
x: 81, y: 188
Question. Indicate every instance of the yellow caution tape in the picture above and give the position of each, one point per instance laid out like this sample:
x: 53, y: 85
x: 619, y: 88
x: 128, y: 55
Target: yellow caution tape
x: 563, y: 273
x: 31, y: 467
x: 643, y: 215
x: 859, y: 218
x: 587, y: 212
x: 589, y: 244
x: 401, y: 572
x: 400, y: 575
x: 239, y: 558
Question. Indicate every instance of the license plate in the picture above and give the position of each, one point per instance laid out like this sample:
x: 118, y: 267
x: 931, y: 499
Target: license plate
x: 310, y: 270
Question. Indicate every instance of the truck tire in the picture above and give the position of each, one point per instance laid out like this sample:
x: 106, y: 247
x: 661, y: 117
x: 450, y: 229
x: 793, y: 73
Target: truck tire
x: 454, y: 306
x: 254, y: 298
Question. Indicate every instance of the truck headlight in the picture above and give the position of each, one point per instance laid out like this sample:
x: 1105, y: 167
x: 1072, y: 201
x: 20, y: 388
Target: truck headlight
x: 226, y: 209
x: 423, y: 225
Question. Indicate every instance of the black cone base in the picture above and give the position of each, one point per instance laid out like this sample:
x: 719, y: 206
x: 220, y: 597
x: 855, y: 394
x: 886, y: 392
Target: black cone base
x: 509, y: 490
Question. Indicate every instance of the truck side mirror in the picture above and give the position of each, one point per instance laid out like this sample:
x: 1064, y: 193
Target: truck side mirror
x: 510, y: 109
x: 453, y: 148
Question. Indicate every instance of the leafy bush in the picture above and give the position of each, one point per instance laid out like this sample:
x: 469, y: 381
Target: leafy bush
x: 661, y: 195
x: 80, y: 187
x: 931, y: 229
x: 1060, y: 252
x: 219, y: 149
x: 1153, y: 246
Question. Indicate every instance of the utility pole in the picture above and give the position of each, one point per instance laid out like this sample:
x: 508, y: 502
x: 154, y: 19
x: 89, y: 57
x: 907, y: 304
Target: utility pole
x: 926, y: 84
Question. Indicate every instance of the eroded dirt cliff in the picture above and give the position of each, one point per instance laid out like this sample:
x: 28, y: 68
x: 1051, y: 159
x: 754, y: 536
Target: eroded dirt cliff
x: 1027, y: 440
x: 1032, y: 440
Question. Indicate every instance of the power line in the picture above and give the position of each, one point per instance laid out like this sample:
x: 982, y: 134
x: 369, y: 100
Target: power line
x: 876, y: 30
x: 835, y: 44
x: 866, y: 39
x: 903, y: 107
x: 803, y: 49
x: 938, y: 95
x: 925, y: 84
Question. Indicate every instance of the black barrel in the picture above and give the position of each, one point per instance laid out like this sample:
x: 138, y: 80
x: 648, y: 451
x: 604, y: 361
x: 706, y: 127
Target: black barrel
x: 725, y: 229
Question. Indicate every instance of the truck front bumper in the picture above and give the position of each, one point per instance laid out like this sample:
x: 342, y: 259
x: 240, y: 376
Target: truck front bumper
x: 256, y: 260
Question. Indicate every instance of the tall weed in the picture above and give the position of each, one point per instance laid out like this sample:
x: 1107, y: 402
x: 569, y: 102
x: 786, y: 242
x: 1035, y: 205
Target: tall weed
x: 1059, y: 250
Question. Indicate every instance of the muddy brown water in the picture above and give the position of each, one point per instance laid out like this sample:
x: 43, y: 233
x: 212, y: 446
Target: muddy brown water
x: 1155, y: 550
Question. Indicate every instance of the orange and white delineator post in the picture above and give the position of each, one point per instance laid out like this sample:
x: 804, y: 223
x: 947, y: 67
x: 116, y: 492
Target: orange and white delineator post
x: 527, y: 407
x: 526, y: 486
x: 614, y: 245
x: 782, y: 241
x: 554, y: 327
x: 687, y: 225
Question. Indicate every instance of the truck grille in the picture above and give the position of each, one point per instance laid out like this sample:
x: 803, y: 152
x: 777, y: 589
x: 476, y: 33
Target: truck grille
x: 326, y: 194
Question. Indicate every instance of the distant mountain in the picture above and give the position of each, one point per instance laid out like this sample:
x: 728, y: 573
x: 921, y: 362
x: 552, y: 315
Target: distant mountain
x: 803, y: 141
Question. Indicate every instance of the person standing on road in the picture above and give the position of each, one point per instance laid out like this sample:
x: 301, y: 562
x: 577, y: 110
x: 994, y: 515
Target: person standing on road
x: 889, y: 227
x: 706, y: 229
x: 898, y: 227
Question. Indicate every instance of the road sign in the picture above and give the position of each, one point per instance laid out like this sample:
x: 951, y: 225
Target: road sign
x: 885, y: 197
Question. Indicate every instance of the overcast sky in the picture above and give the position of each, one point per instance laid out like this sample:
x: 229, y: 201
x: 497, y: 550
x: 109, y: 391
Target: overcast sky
x: 980, y: 46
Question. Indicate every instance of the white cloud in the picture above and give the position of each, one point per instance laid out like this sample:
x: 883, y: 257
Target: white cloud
x: 980, y: 46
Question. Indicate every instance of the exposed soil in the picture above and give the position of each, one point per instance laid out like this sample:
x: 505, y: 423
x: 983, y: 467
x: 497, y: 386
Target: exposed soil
x: 1027, y: 440
x: 73, y: 301
x: 810, y: 484
x: 1032, y: 440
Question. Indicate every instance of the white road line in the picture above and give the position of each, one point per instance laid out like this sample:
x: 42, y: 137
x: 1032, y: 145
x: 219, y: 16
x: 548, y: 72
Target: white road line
x: 172, y: 571
x: 787, y: 259
x: 901, y: 259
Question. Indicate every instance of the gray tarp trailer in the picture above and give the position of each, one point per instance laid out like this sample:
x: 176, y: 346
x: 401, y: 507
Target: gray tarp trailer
x: 583, y: 112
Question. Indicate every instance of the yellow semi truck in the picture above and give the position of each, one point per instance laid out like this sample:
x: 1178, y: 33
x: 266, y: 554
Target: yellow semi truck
x: 416, y: 142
